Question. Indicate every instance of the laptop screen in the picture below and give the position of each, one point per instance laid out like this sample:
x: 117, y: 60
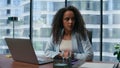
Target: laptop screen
x: 22, y: 50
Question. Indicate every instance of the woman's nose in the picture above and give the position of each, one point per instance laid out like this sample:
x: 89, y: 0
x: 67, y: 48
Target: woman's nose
x: 70, y: 21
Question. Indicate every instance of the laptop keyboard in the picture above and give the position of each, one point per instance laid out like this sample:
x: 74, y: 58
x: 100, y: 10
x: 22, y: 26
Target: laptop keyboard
x: 43, y: 61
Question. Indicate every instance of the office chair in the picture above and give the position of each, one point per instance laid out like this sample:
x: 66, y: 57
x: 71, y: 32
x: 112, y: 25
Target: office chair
x: 90, y: 36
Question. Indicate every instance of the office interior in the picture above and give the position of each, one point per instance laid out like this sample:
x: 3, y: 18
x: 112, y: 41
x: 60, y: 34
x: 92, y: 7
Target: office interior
x: 32, y: 19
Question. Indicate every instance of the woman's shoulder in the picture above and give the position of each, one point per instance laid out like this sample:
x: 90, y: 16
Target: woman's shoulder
x: 76, y: 34
x: 79, y: 36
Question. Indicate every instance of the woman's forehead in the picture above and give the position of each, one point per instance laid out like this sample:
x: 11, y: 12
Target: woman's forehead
x: 69, y: 13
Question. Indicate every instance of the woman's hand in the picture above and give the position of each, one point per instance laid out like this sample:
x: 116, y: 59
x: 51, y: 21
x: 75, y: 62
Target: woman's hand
x: 66, y: 53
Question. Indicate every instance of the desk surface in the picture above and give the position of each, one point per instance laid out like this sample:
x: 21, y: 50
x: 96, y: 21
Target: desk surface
x: 9, y: 63
x: 97, y: 65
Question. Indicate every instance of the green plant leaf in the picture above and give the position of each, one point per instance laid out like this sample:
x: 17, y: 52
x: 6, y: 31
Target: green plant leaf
x: 118, y: 56
x: 115, y: 53
x: 117, y: 46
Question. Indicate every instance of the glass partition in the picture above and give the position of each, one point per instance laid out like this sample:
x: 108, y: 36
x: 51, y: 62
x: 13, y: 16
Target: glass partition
x: 111, y: 30
x: 14, y: 21
x: 43, y: 12
x: 90, y: 11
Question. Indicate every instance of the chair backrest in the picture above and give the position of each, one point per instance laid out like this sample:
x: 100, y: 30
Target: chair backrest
x: 90, y: 36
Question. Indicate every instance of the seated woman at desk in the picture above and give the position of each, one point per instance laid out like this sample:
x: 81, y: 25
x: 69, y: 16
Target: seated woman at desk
x: 69, y: 35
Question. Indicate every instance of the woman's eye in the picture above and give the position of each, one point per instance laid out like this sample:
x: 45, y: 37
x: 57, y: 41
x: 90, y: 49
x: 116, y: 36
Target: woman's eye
x: 66, y: 19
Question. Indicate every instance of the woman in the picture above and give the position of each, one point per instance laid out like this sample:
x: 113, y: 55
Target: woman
x: 69, y: 35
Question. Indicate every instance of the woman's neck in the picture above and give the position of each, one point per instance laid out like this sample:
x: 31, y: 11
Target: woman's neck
x: 67, y: 33
x: 67, y: 36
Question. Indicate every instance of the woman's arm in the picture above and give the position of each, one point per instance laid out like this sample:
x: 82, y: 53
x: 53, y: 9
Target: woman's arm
x: 88, y: 52
x: 51, y: 50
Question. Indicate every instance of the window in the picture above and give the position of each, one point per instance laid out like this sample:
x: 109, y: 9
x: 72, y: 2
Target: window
x: 116, y: 4
x: 43, y: 12
x: 8, y: 11
x: 21, y: 26
x: 8, y: 2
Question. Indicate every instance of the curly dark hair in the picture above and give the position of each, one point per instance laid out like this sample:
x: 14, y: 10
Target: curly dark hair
x: 57, y: 25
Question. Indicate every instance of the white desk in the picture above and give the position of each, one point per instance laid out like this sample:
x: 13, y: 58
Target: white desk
x: 97, y: 65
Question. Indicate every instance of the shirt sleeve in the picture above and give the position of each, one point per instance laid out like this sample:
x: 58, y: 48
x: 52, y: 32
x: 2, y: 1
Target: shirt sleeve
x: 88, y: 51
x: 50, y: 51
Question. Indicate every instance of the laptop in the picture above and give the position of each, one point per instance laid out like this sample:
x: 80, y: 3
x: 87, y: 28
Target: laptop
x: 22, y: 50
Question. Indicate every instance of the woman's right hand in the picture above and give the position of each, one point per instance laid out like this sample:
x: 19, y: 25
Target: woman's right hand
x: 66, y: 53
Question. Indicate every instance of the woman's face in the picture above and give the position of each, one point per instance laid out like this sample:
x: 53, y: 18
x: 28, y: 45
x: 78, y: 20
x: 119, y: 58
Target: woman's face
x: 68, y: 21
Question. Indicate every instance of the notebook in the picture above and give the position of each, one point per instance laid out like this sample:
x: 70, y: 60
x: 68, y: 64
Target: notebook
x: 22, y: 50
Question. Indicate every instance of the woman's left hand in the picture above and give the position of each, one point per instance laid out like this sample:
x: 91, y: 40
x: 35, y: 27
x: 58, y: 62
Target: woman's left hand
x: 67, y: 53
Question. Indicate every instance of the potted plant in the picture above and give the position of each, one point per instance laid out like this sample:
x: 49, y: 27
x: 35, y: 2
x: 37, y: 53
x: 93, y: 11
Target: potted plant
x: 117, y: 51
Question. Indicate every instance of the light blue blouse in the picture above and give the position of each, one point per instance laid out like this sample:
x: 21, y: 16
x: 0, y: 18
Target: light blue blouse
x: 82, y: 49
